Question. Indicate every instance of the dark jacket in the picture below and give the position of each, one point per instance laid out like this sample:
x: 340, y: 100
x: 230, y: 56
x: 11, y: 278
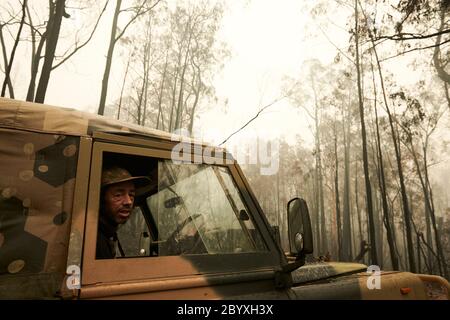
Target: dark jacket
x: 106, y: 240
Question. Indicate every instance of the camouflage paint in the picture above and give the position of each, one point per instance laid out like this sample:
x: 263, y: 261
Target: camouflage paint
x: 37, y: 173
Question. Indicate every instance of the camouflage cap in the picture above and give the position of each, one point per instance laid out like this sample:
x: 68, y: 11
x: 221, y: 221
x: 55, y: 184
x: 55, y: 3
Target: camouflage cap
x: 116, y: 174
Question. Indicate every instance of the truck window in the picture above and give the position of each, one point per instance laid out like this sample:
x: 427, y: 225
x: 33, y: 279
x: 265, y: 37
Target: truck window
x: 187, y: 209
x: 191, y: 219
x: 198, y: 210
x: 122, y: 227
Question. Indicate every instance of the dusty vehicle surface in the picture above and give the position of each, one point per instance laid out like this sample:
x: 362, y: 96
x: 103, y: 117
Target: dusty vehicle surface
x: 197, y: 231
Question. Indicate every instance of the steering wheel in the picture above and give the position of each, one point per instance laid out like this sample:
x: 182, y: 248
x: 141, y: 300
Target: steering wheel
x: 174, y: 246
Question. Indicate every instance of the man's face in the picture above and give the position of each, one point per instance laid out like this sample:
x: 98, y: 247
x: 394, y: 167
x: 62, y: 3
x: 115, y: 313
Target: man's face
x: 119, y: 200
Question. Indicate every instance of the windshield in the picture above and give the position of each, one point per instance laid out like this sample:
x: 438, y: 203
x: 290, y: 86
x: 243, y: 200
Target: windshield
x: 199, y: 210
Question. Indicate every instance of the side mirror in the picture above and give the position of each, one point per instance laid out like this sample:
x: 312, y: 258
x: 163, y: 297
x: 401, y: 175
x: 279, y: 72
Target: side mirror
x: 299, y: 228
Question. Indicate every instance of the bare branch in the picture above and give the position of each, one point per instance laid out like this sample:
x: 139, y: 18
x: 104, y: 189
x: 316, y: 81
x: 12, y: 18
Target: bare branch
x: 412, y: 36
x: 84, y: 43
x: 138, y: 14
x: 251, y: 120
x: 337, y: 48
x: 415, y: 49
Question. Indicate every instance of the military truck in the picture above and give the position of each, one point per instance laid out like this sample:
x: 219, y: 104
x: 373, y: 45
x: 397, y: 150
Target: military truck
x: 197, y: 230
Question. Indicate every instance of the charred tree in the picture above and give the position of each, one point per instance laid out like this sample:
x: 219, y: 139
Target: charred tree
x: 56, y: 13
x: 9, y: 65
x: 370, y: 215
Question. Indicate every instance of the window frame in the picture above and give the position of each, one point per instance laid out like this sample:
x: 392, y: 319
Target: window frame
x: 128, y: 269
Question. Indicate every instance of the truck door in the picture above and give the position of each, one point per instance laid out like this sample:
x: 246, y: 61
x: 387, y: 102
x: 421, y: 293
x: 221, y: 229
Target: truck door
x: 194, y: 232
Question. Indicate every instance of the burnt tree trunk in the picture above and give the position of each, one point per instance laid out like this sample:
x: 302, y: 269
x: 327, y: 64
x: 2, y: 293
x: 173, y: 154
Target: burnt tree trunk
x: 370, y: 215
x: 382, y: 186
x: 7, y: 81
x: 109, y: 56
x: 57, y: 11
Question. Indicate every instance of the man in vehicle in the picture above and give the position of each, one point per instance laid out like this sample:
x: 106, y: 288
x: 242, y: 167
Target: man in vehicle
x: 118, y: 191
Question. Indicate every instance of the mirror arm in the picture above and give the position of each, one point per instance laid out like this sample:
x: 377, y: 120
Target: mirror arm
x: 288, y: 268
x: 283, y: 278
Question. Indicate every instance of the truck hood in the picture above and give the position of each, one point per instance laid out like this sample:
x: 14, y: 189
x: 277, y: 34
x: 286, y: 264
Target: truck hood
x: 320, y: 271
